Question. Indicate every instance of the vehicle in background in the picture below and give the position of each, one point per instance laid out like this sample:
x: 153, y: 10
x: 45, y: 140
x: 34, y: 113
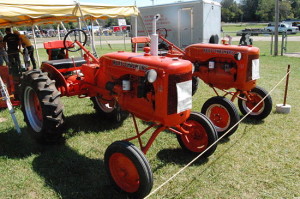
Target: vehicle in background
x: 282, y: 27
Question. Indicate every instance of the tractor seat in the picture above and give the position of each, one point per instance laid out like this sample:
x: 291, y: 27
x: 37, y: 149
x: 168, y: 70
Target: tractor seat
x: 66, y: 63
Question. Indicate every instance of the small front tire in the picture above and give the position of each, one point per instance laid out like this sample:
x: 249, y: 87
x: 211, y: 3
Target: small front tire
x: 200, y: 135
x: 223, y: 114
x: 253, y: 98
x: 128, y: 169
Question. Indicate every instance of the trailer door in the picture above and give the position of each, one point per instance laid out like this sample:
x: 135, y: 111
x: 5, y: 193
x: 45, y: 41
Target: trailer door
x: 185, y: 25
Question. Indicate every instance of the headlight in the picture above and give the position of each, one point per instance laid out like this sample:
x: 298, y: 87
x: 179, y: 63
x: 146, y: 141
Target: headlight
x: 238, y: 56
x: 151, y: 75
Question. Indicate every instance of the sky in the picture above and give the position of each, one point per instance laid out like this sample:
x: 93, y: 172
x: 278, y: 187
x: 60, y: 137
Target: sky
x: 139, y: 3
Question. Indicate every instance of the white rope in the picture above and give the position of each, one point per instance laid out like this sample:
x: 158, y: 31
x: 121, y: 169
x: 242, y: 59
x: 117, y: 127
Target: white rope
x: 197, y: 157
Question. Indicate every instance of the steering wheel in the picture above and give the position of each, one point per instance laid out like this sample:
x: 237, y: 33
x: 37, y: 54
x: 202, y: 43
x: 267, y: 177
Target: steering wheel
x: 164, y: 33
x: 74, y: 33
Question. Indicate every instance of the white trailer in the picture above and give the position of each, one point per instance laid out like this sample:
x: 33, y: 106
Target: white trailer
x: 186, y: 22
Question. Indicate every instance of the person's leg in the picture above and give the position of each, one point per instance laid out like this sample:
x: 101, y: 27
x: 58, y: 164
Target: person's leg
x: 31, y: 54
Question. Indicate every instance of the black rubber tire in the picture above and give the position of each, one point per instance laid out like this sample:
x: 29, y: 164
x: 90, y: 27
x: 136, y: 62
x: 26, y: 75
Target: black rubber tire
x: 209, y: 132
x: 264, y: 111
x: 217, y: 118
x: 41, y: 106
x: 114, y: 114
x: 125, y: 148
x: 73, y: 44
x: 195, y: 84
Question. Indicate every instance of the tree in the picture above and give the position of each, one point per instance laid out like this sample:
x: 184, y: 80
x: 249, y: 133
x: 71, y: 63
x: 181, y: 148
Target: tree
x: 249, y: 8
x: 230, y: 11
x: 266, y: 10
x: 285, y: 10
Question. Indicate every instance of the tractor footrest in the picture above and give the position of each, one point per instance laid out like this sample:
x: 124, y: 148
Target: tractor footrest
x: 66, y: 63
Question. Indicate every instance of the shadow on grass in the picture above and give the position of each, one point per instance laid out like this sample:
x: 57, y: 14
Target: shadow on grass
x: 72, y: 175
x: 89, y: 123
x: 18, y: 146
x: 68, y: 173
x: 178, y: 156
x: 251, y: 121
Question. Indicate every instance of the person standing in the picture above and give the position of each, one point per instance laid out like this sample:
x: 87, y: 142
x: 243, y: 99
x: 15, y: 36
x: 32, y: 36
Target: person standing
x: 28, y: 50
x: 3, y: 54
x: 12, y: 46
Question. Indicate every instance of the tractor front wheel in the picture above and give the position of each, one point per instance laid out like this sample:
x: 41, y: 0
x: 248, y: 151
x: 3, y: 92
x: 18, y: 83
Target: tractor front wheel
x: 109, y: 109
x: 223, y: 114
x: 128, y: 169
x: 199, y: 134
x: 253, y: 98
x: 41, y: 106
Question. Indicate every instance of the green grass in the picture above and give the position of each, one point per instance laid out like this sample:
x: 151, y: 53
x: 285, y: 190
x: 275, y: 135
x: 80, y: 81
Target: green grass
x: 261, y: 160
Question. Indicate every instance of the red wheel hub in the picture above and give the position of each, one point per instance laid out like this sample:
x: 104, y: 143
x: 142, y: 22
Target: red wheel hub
x: 219, y: 116
x: 124, y: 172
x: 196, y: 140
x: 37, y: 106
x: 255, y: 99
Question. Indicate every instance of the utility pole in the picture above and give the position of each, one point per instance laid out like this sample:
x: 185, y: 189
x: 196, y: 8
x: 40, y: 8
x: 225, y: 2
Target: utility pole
x: 276, y: 27
x: 152, y: 2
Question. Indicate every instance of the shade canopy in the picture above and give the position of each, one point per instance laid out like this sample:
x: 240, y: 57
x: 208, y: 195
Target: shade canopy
x: 32, y: 12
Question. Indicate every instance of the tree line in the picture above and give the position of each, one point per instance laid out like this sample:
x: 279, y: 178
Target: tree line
x: 259, y: 10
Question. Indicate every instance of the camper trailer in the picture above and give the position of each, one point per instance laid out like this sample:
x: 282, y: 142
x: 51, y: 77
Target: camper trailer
x: 184, y: 23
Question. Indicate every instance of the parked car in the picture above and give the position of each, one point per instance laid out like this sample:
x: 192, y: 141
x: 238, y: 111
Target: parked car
x: 282, y: 27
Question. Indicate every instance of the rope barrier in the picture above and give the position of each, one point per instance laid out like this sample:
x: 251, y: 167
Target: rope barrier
x: 197, y: 157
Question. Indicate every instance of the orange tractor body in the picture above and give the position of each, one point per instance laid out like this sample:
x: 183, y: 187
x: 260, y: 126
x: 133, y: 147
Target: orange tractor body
x: 221, y: 67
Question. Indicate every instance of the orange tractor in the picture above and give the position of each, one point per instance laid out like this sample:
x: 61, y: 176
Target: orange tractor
x: 224, y: 67
x: 153, y: 88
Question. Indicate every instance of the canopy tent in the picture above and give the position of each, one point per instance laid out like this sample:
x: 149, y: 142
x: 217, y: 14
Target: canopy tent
x: 32, y: 12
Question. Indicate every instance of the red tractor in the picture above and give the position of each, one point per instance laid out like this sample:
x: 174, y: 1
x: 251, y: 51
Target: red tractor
x: 224, y: 67
x: 153, y: 88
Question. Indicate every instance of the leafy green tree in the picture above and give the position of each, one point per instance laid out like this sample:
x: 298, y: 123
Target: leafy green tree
x: 231, y: 11
x: 266, y: 10
x: 249, y: 8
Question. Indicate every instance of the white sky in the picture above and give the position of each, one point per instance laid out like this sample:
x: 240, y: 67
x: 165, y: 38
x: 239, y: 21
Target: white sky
x: 139, y: 3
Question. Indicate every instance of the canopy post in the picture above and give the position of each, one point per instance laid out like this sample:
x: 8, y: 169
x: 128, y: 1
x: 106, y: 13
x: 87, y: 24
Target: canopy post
x: 99, y: 33
x: 58, y: 31
x: 35, y: 46
x: 93, y: 38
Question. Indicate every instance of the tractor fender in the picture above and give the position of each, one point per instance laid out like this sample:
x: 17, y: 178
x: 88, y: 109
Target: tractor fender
x: 54, y: 74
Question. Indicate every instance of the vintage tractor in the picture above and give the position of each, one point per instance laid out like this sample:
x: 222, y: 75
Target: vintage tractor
x: 153, y: 88
x: 224, y: 67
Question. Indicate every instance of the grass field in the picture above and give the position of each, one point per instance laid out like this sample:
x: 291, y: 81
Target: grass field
x: 261, y: 160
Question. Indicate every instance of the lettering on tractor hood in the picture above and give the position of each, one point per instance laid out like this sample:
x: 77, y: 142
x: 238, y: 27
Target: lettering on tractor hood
x: 219, y: 51
x: 135, y: 66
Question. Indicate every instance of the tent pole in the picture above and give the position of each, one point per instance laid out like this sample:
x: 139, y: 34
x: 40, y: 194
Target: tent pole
x: 35, y: 46
x: 99, y: 32
x: 58, y: 31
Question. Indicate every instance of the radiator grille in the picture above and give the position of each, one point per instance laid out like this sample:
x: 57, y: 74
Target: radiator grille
x: 172, y: 90
x: 249, y: 65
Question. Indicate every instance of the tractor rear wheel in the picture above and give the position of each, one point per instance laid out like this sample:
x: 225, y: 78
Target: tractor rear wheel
x: 109, y: 110
x: 128, y: 169
x: 200, y: 134
x: 255, y: 96
x: 223, y: 114
x: 41, y: 106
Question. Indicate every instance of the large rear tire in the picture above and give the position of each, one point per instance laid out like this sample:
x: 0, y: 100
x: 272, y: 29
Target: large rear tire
x: 201, y: 134
x: 256, y: 95
x: 128, y: 169
x: 109, y: 109
x: 41, y: 106
x: 223, y: 114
